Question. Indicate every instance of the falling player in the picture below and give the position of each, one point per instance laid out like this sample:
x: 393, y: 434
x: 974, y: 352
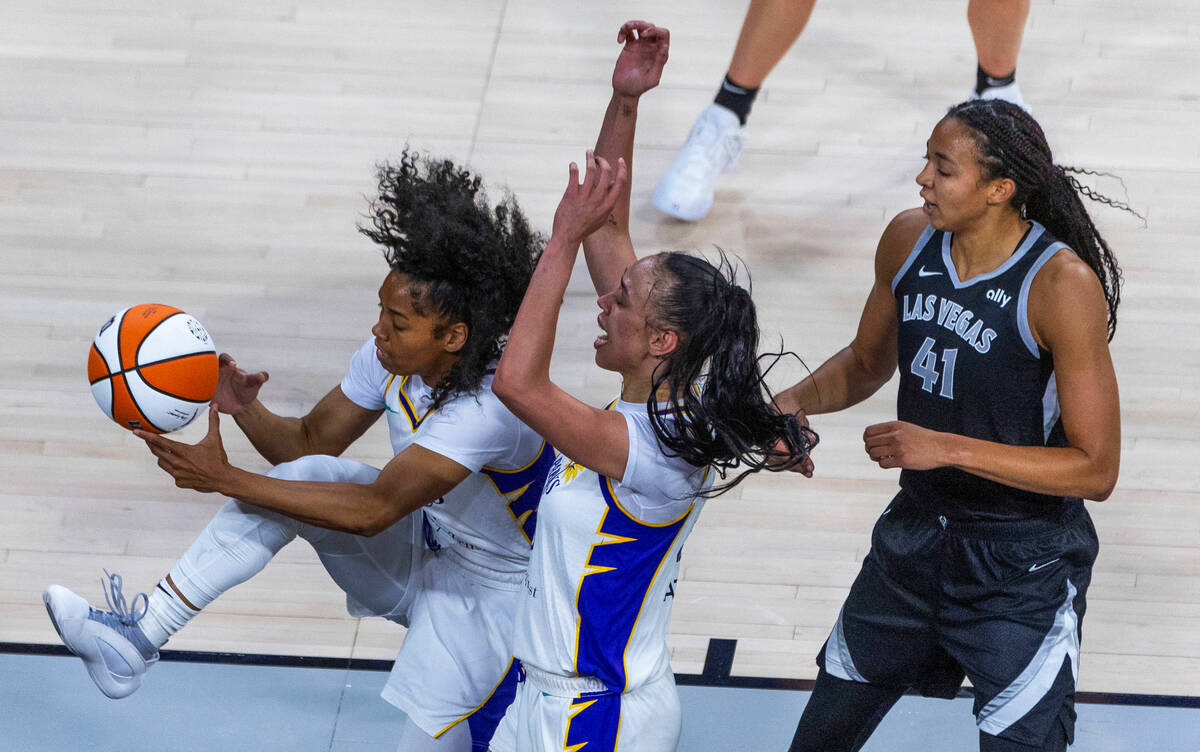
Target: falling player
x: 438, y: 540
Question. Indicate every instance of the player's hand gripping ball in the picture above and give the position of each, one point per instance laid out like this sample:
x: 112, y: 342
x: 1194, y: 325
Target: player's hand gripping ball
x: 152, y: 367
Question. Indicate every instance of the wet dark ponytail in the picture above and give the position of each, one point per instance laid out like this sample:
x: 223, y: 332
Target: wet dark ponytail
x: 1012, y: 145
x: 722, y: 413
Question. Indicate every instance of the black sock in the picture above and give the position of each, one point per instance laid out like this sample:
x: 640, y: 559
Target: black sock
x: 984, y: 80
x: 735, y: 98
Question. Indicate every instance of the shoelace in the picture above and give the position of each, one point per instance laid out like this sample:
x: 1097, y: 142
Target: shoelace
x: 117, y: 604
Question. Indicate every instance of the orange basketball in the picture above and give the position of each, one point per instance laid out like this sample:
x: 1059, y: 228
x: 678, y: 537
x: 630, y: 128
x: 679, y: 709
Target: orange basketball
x: 152, y: 367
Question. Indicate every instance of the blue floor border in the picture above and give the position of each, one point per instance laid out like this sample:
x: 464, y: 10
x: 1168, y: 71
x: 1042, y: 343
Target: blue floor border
x: 718, y: 663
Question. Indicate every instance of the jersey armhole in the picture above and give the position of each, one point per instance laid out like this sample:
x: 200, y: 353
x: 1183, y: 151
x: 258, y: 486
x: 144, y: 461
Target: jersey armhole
x: 1023, y: 298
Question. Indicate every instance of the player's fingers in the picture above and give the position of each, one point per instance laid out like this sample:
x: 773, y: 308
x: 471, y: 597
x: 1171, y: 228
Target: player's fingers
x: 622, y: 175
x: 603, y: 176
x: 879, y: 429
x: 807, y: 467
x: 572, y: 176
x: 153, y: 440
x: 592, y: 176
x: 225, y: 359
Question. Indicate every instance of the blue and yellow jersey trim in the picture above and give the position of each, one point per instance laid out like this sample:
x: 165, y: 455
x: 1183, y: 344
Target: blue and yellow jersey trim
x: 405, y: 405
x: 523, y: 487
x: 619, y: 572
x: 593, y: 723
x: 485, y: 716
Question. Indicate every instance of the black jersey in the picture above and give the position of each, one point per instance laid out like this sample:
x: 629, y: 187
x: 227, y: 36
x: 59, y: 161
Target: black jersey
x: 969, y: 365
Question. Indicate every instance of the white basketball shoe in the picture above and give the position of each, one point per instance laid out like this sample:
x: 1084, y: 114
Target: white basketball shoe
x: 712, y: 148
x: 111, y: 644
x: 1009, y: 93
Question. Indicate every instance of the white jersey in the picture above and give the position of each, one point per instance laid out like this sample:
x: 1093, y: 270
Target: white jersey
x: 601, y: 577
x: 488, y: 520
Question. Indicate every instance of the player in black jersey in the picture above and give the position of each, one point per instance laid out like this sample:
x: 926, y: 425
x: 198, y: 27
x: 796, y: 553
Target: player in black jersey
x: 996, y: 300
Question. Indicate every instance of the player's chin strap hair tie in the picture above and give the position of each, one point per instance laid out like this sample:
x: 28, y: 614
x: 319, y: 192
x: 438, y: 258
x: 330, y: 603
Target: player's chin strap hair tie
x: 117, y: 604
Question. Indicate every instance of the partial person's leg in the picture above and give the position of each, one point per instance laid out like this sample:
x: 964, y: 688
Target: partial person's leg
x: 769, y: 31
x: 715, y: 141
x: 997, y: 27
x: 841, y: 714
x: 236, y: 545
x: 118, y: 646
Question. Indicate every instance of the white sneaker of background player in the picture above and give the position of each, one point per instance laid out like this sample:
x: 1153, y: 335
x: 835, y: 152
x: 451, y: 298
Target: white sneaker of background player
x: 1009, y: 93
x: 712, y: 148
x: 112, y: 646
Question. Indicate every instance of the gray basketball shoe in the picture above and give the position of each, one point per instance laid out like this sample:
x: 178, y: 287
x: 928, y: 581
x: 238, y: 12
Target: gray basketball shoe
x: 113, y: 647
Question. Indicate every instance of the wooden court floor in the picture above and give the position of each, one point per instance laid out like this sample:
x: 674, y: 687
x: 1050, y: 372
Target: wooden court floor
x: 215, y: 156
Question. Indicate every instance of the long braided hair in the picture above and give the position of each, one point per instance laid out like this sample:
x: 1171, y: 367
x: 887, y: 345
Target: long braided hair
x: 722, y: 412
x: 1011, y: 144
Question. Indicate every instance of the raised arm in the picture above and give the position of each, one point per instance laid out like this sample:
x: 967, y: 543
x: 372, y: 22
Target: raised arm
x: 597, y: 439
x: 639, y: 67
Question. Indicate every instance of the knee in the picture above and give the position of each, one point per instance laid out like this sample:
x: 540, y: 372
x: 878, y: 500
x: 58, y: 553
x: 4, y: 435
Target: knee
x: 238, y: 524
x: 317, y: 467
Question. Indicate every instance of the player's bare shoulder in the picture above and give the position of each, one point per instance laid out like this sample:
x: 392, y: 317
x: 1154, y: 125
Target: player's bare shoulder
x: 1065, y: 293
x: 897, y: 241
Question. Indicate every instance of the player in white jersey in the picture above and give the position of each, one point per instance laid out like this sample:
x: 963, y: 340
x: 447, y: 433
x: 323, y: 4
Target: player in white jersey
x: 438, y: 540
x: 632, y: 477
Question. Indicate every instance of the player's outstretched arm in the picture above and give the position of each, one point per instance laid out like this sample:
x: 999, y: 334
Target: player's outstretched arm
x: 410, y: 480
x: 331, y: 426
x: 609, y: 250
x: 595, y: 438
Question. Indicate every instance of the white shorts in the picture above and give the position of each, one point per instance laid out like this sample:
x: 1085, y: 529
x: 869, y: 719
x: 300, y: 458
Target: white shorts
x: 547, y: 715
x: 455, y: 663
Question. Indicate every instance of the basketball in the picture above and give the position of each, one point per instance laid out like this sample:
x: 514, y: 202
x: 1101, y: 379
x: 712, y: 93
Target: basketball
x: 152, y: 367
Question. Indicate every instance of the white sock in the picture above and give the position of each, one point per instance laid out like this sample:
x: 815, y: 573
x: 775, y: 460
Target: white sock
x: 166, y: 614
x: 237, y: 543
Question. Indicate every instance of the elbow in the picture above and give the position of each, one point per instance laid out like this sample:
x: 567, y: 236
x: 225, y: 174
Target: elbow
x: 502, y: 383
x: 873, y: 372
x: 372, y: 525
x: 517, y: 391
x: 1101, y: 490
x: 377, y: 514
x: 1102, y: 484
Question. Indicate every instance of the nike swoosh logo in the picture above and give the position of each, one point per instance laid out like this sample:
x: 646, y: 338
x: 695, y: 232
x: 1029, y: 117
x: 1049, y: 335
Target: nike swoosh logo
x: 1036, y: 567
x: 922, y: 273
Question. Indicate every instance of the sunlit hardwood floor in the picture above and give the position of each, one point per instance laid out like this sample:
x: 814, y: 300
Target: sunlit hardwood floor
x: 216, y: 155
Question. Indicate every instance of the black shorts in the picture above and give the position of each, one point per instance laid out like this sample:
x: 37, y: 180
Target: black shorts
x: 1001, y: 603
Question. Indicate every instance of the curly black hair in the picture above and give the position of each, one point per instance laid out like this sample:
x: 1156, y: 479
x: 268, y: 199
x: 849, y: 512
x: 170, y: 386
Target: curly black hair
x: 471, y: 262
